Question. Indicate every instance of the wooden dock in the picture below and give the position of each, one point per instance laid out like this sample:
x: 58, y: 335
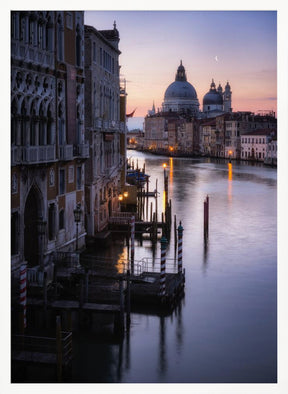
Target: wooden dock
x: 145, y: 291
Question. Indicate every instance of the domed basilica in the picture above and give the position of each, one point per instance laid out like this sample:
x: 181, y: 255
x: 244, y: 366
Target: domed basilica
x: 181, y: 97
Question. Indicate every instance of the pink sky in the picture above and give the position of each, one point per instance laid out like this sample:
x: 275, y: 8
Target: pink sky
x: 153, y: 43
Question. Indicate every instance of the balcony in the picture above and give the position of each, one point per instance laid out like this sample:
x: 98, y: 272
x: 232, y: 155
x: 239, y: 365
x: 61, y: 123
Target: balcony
x: 66, y: 152
x: 81, y: 150
x: 29, y: 53
x: 32, y: 154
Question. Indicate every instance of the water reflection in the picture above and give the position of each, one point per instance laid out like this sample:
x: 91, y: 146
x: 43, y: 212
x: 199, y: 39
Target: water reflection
x: 225, y: 331
x: 179, y: 329
x: 162, y: 348
x: 230, y: 182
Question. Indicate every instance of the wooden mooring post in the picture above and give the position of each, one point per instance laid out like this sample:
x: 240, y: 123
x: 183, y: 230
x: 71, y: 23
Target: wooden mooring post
x: 206, y: 216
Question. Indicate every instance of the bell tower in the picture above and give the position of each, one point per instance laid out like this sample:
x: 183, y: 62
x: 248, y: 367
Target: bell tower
x: 227, y: 98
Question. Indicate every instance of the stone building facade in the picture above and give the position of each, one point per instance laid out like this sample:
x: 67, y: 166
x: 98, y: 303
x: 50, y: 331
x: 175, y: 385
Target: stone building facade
x: 221, y: 136
x: 104, y: 127
x: 48, y: 148
x: 259, y: 145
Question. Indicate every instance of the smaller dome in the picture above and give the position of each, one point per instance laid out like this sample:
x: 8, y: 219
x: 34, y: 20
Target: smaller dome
x: 213, y: 96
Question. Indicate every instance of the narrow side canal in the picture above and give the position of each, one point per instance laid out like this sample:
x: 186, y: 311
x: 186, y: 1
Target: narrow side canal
x: 225, y: 329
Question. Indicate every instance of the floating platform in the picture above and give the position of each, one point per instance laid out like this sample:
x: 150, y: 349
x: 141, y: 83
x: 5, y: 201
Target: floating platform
x: 145, y: 291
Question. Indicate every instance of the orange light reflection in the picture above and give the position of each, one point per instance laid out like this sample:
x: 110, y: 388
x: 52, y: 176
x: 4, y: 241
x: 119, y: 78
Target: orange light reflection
x: 122, y: 260
x: 230, y: 182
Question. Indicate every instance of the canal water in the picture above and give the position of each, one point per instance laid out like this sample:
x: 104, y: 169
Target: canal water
x: 225, y: 329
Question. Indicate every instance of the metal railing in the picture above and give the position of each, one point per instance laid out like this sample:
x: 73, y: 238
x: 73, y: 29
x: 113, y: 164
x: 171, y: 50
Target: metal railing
x: 36, y: 344
x: 66, y: 152
x: 121, y: 217
x: 66, y: 259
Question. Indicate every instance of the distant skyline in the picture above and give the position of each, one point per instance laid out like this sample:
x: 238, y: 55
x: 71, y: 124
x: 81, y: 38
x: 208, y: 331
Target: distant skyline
x: 235, y: 46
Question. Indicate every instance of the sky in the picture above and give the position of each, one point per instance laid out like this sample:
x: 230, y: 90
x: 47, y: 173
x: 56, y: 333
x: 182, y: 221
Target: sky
x: 235, y: 46
x: 152, y: 45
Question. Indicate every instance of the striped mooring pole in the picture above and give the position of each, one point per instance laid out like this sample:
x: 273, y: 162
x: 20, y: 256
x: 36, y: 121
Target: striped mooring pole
x: 180, y: 255
x: 163, y: 267
x: 23, y: 291
x: 132, y: 224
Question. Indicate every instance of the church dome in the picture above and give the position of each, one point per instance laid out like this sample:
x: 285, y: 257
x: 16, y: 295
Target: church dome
x: 180, y: 94
x: 213, y: 97
x: 180, y: 89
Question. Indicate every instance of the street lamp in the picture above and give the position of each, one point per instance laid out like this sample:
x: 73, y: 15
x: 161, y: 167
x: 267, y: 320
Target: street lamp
x: 77, y: 218
x: 41, y: 227
x: 230, y: 153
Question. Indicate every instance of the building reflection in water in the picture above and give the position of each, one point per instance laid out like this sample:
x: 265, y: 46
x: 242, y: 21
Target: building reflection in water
x: 205, y: 252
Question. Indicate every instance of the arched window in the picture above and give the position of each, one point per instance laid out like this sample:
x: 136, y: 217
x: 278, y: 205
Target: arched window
x: 22, y: 27
x: 78, y: 46
x: 33, y: 127
x: 50, y: 136
x: 60, y: 41
x: 49, y: 35
x: 61, y: 125
x: 78, y: 125
x: 51, y: 221
x: 23, y: 124
x: 61, y: 219
x: 42, y: 126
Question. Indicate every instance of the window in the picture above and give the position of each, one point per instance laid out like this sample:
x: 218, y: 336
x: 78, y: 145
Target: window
x: 79, y: 178
x: 31, y: 32
x: 94, y: 51
x: 14, y: 183
x: 71, y: 174
x: 51, y: 221
x: 69, y: 20
x: 41, y: 43
x: 49, y: 35
x: 78, y: 46
x: 61, y: 219
x: 61, y: 181
x: 60, y: 40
